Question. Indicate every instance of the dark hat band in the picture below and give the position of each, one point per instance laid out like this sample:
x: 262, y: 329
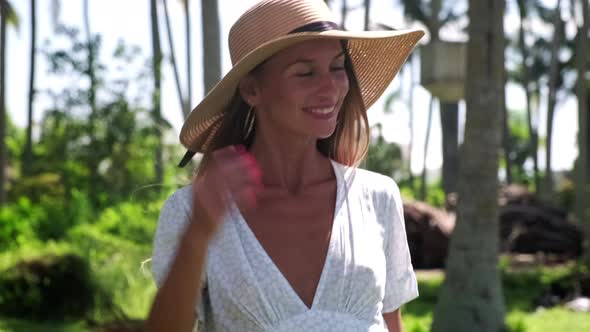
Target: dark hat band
x: 316, y: 27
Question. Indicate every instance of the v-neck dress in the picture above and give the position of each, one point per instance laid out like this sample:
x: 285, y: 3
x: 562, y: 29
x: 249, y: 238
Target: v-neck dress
x: 367, y: 271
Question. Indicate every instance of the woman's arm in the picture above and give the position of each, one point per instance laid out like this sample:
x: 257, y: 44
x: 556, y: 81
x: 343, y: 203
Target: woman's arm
x: 393, y: 320
x: 232, y: 173
x: 174, y: 306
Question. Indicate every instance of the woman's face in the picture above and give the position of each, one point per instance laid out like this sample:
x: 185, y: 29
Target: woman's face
x: 300, y: 90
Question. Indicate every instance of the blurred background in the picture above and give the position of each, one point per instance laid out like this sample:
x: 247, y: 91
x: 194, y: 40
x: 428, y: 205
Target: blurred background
x: 93, y: 95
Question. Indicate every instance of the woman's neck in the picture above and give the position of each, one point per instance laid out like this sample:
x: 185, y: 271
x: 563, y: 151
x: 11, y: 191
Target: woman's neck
x: 289, y: 164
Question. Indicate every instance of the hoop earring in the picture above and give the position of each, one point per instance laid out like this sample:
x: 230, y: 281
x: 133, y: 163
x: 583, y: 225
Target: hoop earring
x: 250, y: 121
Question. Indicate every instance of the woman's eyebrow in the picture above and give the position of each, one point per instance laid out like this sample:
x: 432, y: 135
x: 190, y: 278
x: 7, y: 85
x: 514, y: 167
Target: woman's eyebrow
x: 309, y: 61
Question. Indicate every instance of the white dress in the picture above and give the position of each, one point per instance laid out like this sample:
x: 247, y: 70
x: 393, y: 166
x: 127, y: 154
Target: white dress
x: 367, y: 271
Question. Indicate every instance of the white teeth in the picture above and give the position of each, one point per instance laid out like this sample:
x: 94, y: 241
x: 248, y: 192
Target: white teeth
x: 321, y: 110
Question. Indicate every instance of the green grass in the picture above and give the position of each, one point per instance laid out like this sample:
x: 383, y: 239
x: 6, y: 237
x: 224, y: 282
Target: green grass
x: 521, y: 289
x: 117, y: 267
x: 16, y: 325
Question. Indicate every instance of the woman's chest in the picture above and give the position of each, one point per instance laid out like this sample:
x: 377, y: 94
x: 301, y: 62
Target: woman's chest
x: 296, y: 233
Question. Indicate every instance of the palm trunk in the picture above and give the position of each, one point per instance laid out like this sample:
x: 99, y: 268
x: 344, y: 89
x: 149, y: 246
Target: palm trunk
x: 526, y: 84
x: 367, y: 14
x: 156, y: 113
x: 449, y: 116
x: 189, y: 66
x: 343, y: 14
x: 92, y: 158
x: 471, y: 296
x: 183, y: 104
x: 582, y: 210
x: 423, y: 192
x: 506, y: 131
x: 28, y: 152
x: 410, y: 67
x: 211, y: 43
x: 553, y: 75
x: 3, y: 154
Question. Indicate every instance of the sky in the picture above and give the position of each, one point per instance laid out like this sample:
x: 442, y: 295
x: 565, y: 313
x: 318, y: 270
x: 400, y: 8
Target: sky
x: 129, y: 20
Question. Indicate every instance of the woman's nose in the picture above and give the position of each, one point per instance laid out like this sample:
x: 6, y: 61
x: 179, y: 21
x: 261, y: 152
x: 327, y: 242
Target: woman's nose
x: 330, y: 83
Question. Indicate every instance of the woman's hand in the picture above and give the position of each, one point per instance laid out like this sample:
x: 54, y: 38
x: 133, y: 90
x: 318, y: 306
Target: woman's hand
x: 232, y: 173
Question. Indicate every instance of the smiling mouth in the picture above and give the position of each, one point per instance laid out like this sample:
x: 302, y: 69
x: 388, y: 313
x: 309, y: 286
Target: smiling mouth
x: 320, y: 110
x: 323, y: 113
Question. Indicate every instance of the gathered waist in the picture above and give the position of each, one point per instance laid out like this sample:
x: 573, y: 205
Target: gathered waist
x: 320, y: 320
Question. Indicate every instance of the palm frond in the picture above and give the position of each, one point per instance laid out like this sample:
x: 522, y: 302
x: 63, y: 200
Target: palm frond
x: 12, y: 18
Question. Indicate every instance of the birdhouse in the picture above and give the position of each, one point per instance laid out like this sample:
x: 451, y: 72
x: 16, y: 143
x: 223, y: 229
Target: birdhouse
x: 442, y: 69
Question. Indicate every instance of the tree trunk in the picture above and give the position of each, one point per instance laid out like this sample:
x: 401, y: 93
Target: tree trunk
x: 410, y: 67
x: 3, y: 154
x: 189, y: 65
x: 449, y: 117
x: 156, y: 113
x: 27, y: 160
x: 582, y: 192
x: 211, y: 43
x: 423, y: 192
x: 471, y: 296
x: 506, y: 131
x: 92, y: 161
x: 526, y: 85
x: 344, y: 13
x: 551, y: 100
x: 181, y: 99
x: 367, y: 14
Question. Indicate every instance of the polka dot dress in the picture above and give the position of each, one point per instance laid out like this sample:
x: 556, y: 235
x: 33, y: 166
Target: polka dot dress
x: 367, y: 272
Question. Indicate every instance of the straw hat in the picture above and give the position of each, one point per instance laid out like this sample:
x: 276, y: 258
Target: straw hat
x: 272, y: 25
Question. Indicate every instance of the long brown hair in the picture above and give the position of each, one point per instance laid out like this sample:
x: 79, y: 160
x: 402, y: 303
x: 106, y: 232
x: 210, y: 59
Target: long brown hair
x: 348, y: 144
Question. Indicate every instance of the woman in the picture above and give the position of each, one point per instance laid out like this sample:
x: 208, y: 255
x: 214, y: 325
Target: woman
x: 280, y: 231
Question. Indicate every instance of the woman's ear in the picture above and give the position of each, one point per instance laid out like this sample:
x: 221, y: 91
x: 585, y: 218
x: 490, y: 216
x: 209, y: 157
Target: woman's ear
x: 249, y: 90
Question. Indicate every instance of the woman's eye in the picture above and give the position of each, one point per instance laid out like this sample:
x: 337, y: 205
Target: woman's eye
x: 305, y: 74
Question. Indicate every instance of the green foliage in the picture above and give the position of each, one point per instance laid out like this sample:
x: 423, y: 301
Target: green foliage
x: 130, y: 221
x: 19, y: 221
x: 105, y: 155
x: 118, y: 266
x: 435, y: 195
x: 566, y: 194
x: 383, y: 157
x: 55, y: 287
x: 12, y: 18
x: 521, y: 287
x: 520, y: 148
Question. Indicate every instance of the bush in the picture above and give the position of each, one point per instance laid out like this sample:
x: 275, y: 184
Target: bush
x: 55, y: 287
x: 135, y: 222
x: 18, y: 222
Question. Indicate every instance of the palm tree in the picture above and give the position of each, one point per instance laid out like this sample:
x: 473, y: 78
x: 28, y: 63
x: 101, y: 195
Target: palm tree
x: 156, y: 112
x: 7, y: 16
x: 343, y: 14
x: 92, y: 162
x: 367, y: 6
x: 410, y: 69
x: 189, y: 66
x: 28, y: 151
x: 183, y: 102
x: 523, y: 6
x: 583, y: 162
x: 551, y: 100
x: 426, y: 140
x: 211, y: 38
x: 431, y: 14
x: 471, y: 296
x: 3, y: 154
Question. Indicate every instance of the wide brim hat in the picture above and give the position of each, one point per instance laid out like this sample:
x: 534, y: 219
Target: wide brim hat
x: 273, y: 25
